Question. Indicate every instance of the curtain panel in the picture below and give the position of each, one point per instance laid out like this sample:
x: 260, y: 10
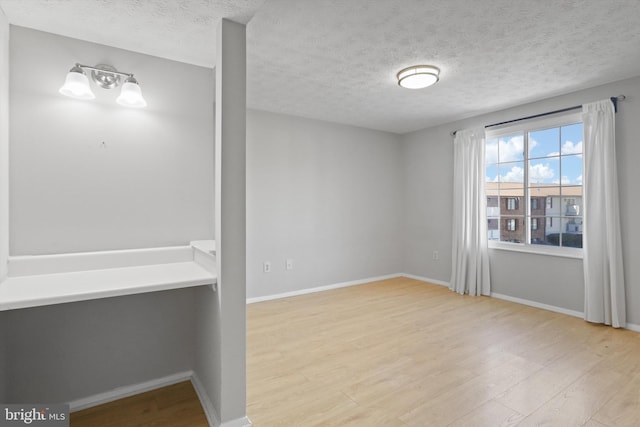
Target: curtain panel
x: 470, y: 255
x: 602, y: 245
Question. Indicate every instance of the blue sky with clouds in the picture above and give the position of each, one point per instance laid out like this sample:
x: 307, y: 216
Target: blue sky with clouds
x: 555, y: 157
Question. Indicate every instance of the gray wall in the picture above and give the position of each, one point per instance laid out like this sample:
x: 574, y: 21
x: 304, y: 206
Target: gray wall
x: 70, y: 351
x: 428, y: 160
x: 3, y: 357
x: 221, y: 320
x: 207, y: 337
x: 327, y: 196
x: 4, y: 182
x: 4, y: 144
x: 149, y: 185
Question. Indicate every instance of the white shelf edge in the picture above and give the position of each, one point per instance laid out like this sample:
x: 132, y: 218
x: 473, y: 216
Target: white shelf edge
x: 48, y: 289
x: 30, y: 265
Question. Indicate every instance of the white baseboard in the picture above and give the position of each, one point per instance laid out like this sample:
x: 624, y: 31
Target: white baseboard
x: 574, y: 313
x: 122, y: 392
x: 130, y: 390
x: 535, y: 304
x: 320, y: 288
x: 238, y: 422
x: 205, y: 401
x: 630, y: 326
x: 425, y: 279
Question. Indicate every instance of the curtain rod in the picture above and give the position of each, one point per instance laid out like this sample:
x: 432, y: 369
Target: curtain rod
x: 614, y: 100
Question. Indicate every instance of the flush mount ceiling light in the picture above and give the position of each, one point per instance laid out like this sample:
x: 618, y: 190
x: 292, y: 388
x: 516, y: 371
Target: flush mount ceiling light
x: 418, y: 76
x: 76, y: 84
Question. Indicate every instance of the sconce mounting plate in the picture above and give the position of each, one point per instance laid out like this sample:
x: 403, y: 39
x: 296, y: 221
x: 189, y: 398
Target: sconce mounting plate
x: 105, y: 77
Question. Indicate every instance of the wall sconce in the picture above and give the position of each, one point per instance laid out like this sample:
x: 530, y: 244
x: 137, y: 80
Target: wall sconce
x: 76, y: 84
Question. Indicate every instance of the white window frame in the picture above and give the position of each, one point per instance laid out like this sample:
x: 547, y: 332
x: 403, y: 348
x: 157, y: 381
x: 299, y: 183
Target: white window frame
x: 557, y: 120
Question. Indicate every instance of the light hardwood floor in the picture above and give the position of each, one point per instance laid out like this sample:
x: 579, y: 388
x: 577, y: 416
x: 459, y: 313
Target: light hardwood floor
x: 405, y: 353
x: 173, y: 406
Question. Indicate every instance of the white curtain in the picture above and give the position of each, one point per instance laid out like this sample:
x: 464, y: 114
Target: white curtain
x: 470, y: 256
x: 604, y: 299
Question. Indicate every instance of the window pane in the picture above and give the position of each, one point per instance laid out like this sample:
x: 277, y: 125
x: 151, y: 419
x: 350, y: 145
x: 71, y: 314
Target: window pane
x: 544, y: 171
x: 492, y: 173
x: 511, y: 202
x: 572, y: 232
x: 493, y: 228
x: 537, y: 205
x: 493, y: 203
x: 572, y: 191
x: 542, y: 239
x: 548, y: 197
x: 571, y: 139
x: 509, y: 189
x: 552, y: 229
x: 511, y: 148
x: 491, y: 151
x: 492, y: 189
x: 537, y: 227
x: 572, y: 170
x: 544, y: 190
x: 548, y: 231
x: 512, y: 229
x: 572, y: 206
x: 511, y: 172
x: 544, y: 143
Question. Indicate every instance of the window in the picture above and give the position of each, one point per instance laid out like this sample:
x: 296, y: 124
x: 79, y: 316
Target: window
x: 534, y: 224
x: 534, y: 203
x: 534, y: 172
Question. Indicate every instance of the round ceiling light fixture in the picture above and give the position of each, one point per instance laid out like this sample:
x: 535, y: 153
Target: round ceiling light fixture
x: 418, y: 76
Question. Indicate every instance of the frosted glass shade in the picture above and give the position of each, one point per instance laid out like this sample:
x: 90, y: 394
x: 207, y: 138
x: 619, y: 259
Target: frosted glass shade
x: 418, y: 77
x: 76, y: 85
x: 131, y: 95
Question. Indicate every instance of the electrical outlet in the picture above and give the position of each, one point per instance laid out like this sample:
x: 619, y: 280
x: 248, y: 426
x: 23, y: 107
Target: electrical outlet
x: 436, y: 255
x: 266, y: 267
x: 289, y: 264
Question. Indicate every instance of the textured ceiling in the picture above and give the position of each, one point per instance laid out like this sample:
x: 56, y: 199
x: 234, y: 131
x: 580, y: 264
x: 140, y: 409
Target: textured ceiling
x: 336, y: 60
x: 182, y: 30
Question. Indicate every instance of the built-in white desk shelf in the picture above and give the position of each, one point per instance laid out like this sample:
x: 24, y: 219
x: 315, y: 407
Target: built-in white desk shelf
x: 55, y: 279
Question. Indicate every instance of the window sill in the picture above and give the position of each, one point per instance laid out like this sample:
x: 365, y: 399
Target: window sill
x: 538, y: 249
